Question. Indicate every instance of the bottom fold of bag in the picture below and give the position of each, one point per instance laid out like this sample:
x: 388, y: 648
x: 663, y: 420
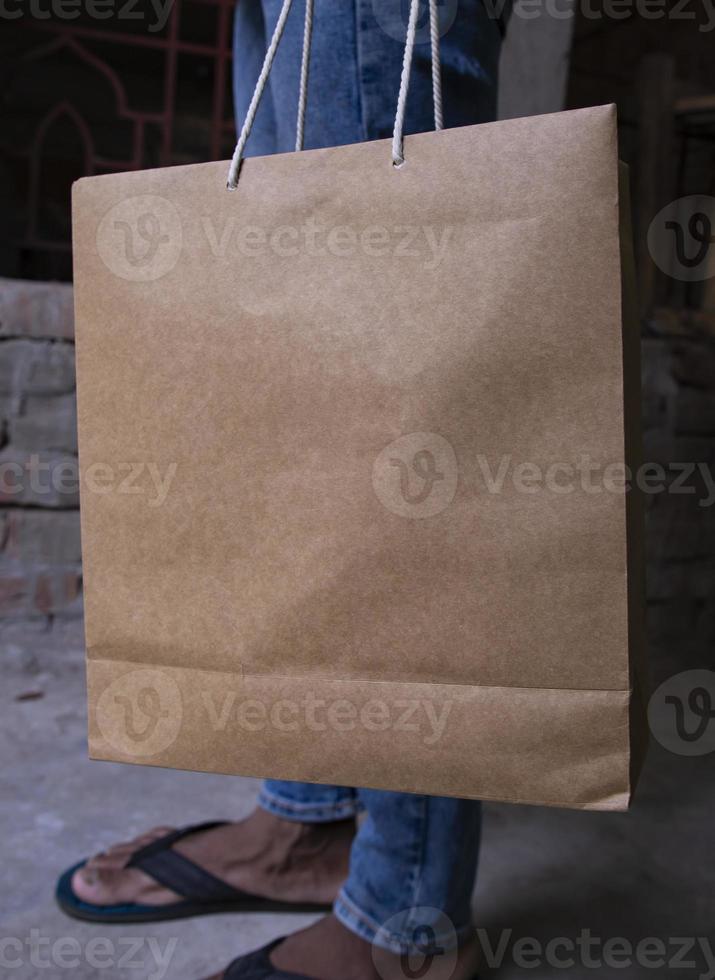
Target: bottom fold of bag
x: 551, y: 747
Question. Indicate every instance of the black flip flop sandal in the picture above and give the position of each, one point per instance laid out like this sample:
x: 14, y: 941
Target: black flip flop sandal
x: 204, y: 894
x: 258, y: 966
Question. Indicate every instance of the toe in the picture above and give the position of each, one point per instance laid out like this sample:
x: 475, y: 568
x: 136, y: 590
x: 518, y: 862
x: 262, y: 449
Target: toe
x: 119, y: 886
x: 117, y: 855
x: 105, y: 878
x: 96, y: 885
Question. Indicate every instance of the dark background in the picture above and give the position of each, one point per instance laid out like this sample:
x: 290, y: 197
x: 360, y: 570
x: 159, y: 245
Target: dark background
x: 93, y: 96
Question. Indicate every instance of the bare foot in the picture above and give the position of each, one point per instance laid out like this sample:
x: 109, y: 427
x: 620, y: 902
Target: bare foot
x: 264, y: 855
x: 328, y: 950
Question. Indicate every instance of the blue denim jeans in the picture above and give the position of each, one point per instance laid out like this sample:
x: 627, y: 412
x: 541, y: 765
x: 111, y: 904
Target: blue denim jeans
x: 413, y: 863
x: 355, y: 67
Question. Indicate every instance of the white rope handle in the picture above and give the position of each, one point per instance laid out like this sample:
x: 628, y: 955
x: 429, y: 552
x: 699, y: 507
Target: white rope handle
x: 303, y: 93
x: 436, y: 65
x: 398, y: 156
x: 257, y: 93
x: 397, y: 136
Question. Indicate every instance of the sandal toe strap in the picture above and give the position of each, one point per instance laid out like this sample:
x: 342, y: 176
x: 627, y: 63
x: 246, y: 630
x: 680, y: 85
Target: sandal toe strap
x: 181, y: 874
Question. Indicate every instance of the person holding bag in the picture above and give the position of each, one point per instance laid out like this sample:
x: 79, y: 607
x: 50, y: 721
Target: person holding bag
x: 400, y: 883
x: 358, y: 548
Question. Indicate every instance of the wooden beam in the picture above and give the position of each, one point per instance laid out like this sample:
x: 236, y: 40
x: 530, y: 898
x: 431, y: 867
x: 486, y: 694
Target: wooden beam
x: 654, y: 183
x: 692, y: 104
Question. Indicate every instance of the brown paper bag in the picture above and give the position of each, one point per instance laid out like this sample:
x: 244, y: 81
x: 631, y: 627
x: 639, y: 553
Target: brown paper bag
x: 352, y: 443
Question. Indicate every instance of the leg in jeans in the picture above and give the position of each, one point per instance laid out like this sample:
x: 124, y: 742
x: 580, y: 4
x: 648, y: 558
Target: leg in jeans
x: 308, y: 802
x: 413, y: 862
x: 412, y: 871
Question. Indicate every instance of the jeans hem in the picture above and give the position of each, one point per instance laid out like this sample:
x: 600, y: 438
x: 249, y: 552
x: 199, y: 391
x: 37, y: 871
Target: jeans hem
x: 349, y: 914
x: 313, y: 812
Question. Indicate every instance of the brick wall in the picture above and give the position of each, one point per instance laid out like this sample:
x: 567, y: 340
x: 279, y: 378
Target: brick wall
x: 40, y: 571
x: 40, y: 562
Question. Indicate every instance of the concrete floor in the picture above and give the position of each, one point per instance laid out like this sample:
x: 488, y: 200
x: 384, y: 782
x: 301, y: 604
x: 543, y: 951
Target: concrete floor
x: 544, y: 873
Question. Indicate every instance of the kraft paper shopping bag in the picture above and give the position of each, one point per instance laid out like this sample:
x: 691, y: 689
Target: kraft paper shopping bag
x: 354, y: 444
